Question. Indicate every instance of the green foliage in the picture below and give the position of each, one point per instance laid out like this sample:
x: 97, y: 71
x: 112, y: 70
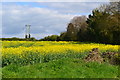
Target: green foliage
x: 75, y: 28
x: 32, y: 58
x: 64, y: 64
x: 62, y: 68
x: 64, y: 37
x: 28, y: 52
x: 18, y: 39
x: 50, y: 38
x: 102, y: 26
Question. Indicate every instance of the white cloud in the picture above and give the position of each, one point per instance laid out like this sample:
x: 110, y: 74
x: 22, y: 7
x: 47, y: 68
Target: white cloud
x: 50, y: 19
x: 43, y: 21
x: 73, y: 8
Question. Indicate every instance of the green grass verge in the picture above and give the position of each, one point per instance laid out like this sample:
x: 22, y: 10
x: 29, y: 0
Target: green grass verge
x: 61, y: 68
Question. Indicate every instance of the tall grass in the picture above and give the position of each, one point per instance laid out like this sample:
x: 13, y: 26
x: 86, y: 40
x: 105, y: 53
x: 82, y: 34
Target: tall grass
x: 62, y: 68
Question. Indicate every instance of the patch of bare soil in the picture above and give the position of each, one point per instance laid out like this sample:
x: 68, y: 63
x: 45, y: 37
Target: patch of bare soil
x: 95, y: 55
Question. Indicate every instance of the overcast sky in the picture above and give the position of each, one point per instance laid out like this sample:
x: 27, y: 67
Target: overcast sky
x: 45, y: 18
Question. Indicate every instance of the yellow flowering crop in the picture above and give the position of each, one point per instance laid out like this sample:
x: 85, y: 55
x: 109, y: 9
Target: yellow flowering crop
x: 18, y: 47
x: 27, y: 49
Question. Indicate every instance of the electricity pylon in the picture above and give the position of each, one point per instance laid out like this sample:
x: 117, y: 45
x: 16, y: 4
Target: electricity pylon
x: 27, y: 34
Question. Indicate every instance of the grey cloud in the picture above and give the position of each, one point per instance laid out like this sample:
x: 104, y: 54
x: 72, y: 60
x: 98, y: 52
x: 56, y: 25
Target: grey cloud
x: 48, y: 20
x: 43, y: 21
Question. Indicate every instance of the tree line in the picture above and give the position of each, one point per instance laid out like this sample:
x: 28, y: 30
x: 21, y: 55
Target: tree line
x: 18, y: 39
x: 101, y: 26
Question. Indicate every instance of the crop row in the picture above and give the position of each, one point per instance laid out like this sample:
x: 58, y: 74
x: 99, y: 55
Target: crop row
x: 15, y: 52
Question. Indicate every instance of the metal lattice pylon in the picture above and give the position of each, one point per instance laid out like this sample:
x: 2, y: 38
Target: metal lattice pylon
x: 27, y: 32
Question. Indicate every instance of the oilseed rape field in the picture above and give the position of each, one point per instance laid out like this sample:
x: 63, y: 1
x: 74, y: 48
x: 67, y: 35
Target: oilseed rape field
x: 45, y: 53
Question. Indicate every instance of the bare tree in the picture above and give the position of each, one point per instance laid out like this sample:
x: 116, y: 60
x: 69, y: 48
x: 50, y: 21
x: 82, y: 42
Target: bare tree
x: 78, y: 23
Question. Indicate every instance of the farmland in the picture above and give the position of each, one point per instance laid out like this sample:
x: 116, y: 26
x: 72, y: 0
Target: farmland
x: 52, y: 59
